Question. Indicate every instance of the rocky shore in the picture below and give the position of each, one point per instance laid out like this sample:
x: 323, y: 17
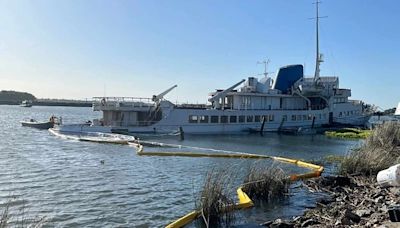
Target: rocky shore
x: 351, y: 201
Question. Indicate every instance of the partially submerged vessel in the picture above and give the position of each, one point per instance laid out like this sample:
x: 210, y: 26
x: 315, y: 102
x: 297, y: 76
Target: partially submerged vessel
x: 291, y: 101
x: 93, y: 137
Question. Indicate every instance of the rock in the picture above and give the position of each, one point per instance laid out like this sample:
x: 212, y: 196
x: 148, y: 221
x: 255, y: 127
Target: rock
x: 334, y: 181
x: 363, y: 212
x: 345, y: 221
x: 352, y: 216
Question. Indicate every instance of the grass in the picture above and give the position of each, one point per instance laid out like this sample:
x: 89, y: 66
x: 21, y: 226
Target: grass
x: 349, y: 133
x: 266, y: 182
x: 215, y: 200
x: 380, y: 150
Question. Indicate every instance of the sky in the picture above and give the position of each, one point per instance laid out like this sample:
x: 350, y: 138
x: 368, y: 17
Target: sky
x: 81, y: 49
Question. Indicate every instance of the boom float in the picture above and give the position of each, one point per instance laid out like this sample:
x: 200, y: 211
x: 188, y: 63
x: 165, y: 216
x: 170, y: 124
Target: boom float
x: 244, y: 199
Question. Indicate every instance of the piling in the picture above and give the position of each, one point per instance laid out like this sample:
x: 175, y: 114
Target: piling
x: 181, y: 133
x: 262, y: 126
x: 313, y: 122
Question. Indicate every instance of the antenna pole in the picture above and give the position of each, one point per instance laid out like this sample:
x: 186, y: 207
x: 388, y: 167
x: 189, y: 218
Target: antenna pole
x: 317, y: 62
x: 265, y: 62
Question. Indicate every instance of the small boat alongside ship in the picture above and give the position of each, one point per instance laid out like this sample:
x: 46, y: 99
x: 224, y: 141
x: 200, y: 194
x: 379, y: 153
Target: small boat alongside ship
x: 40, y: 125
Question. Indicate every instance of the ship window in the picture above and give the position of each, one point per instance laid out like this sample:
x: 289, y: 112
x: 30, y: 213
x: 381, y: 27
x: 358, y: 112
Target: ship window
x: 193, y: 119
x: 310, y: 117
x: 256, y: 118
x: 324, y: 116
x: 249, y: 119
x: 214, y: 119
x: 233, y: 119
x: 340, y: 114
x: 241, y: 119
x: 351, y: 112
x: 224, y: 119
x: 293, y: 117
x: 320, y: 116
x: 299, y: 117
x: 304, y: 117
x: 203, y: 119
x: 284, y: 117
x: 271, y: 118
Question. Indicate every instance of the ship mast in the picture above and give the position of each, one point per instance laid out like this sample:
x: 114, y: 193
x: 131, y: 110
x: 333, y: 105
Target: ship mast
x: 319, y: 56
x: 265, y: 62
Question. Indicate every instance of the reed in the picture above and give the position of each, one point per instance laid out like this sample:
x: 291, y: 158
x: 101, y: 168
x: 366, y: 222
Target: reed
x: 379, y: 151
x: 266, y: 182
x: 5, y: 216
x: 216, y: 201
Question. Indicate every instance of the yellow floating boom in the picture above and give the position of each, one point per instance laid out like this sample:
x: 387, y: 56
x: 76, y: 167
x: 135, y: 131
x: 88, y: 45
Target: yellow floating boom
x: 244, y: 199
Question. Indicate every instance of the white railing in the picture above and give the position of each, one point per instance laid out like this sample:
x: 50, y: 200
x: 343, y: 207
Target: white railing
x: 122, y: 99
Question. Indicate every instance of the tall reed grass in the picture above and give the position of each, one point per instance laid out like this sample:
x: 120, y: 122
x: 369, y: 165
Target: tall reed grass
x: 266, y: 182
x: 379, y: 151
x: 216, y: 199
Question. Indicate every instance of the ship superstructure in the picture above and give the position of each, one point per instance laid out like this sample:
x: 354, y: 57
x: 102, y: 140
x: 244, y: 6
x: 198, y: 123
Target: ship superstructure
x: 290, y: 101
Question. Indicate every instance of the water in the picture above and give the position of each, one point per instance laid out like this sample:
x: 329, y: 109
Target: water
x: 64, y: 181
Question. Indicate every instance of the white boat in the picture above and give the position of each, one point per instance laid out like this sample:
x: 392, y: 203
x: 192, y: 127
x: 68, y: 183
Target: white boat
x: 291, y: 101
x: 35, y: 124
x: 26, y: 103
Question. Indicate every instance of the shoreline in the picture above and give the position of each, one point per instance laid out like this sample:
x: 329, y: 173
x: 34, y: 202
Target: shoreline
x: 350, y: 201
x: 53, y: 103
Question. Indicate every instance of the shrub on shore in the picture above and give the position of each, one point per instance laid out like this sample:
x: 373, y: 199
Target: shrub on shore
x: 266, y: 182
x: 216, y: 202
x: 380, y: 150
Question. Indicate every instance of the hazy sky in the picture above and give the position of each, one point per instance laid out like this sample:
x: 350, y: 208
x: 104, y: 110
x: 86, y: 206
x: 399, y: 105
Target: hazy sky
x: 83, y: 48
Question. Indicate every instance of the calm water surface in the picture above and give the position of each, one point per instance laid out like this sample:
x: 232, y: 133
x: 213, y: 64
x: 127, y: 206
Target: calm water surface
x: 63, y: 180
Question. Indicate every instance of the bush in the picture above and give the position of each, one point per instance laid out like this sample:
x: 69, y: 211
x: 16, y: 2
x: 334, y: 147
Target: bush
x: 380, y: 150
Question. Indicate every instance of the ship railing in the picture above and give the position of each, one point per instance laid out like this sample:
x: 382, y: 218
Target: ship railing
x: 121, y: 102
x: 122, y: 99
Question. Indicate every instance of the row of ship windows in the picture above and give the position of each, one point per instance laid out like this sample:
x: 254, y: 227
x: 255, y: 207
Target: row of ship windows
x: 229, y: 119
x: 248, y: 119
x: 349, y: 113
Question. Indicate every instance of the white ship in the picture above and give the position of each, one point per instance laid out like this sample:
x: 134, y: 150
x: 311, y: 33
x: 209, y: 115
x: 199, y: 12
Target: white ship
x: 291, y: 101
